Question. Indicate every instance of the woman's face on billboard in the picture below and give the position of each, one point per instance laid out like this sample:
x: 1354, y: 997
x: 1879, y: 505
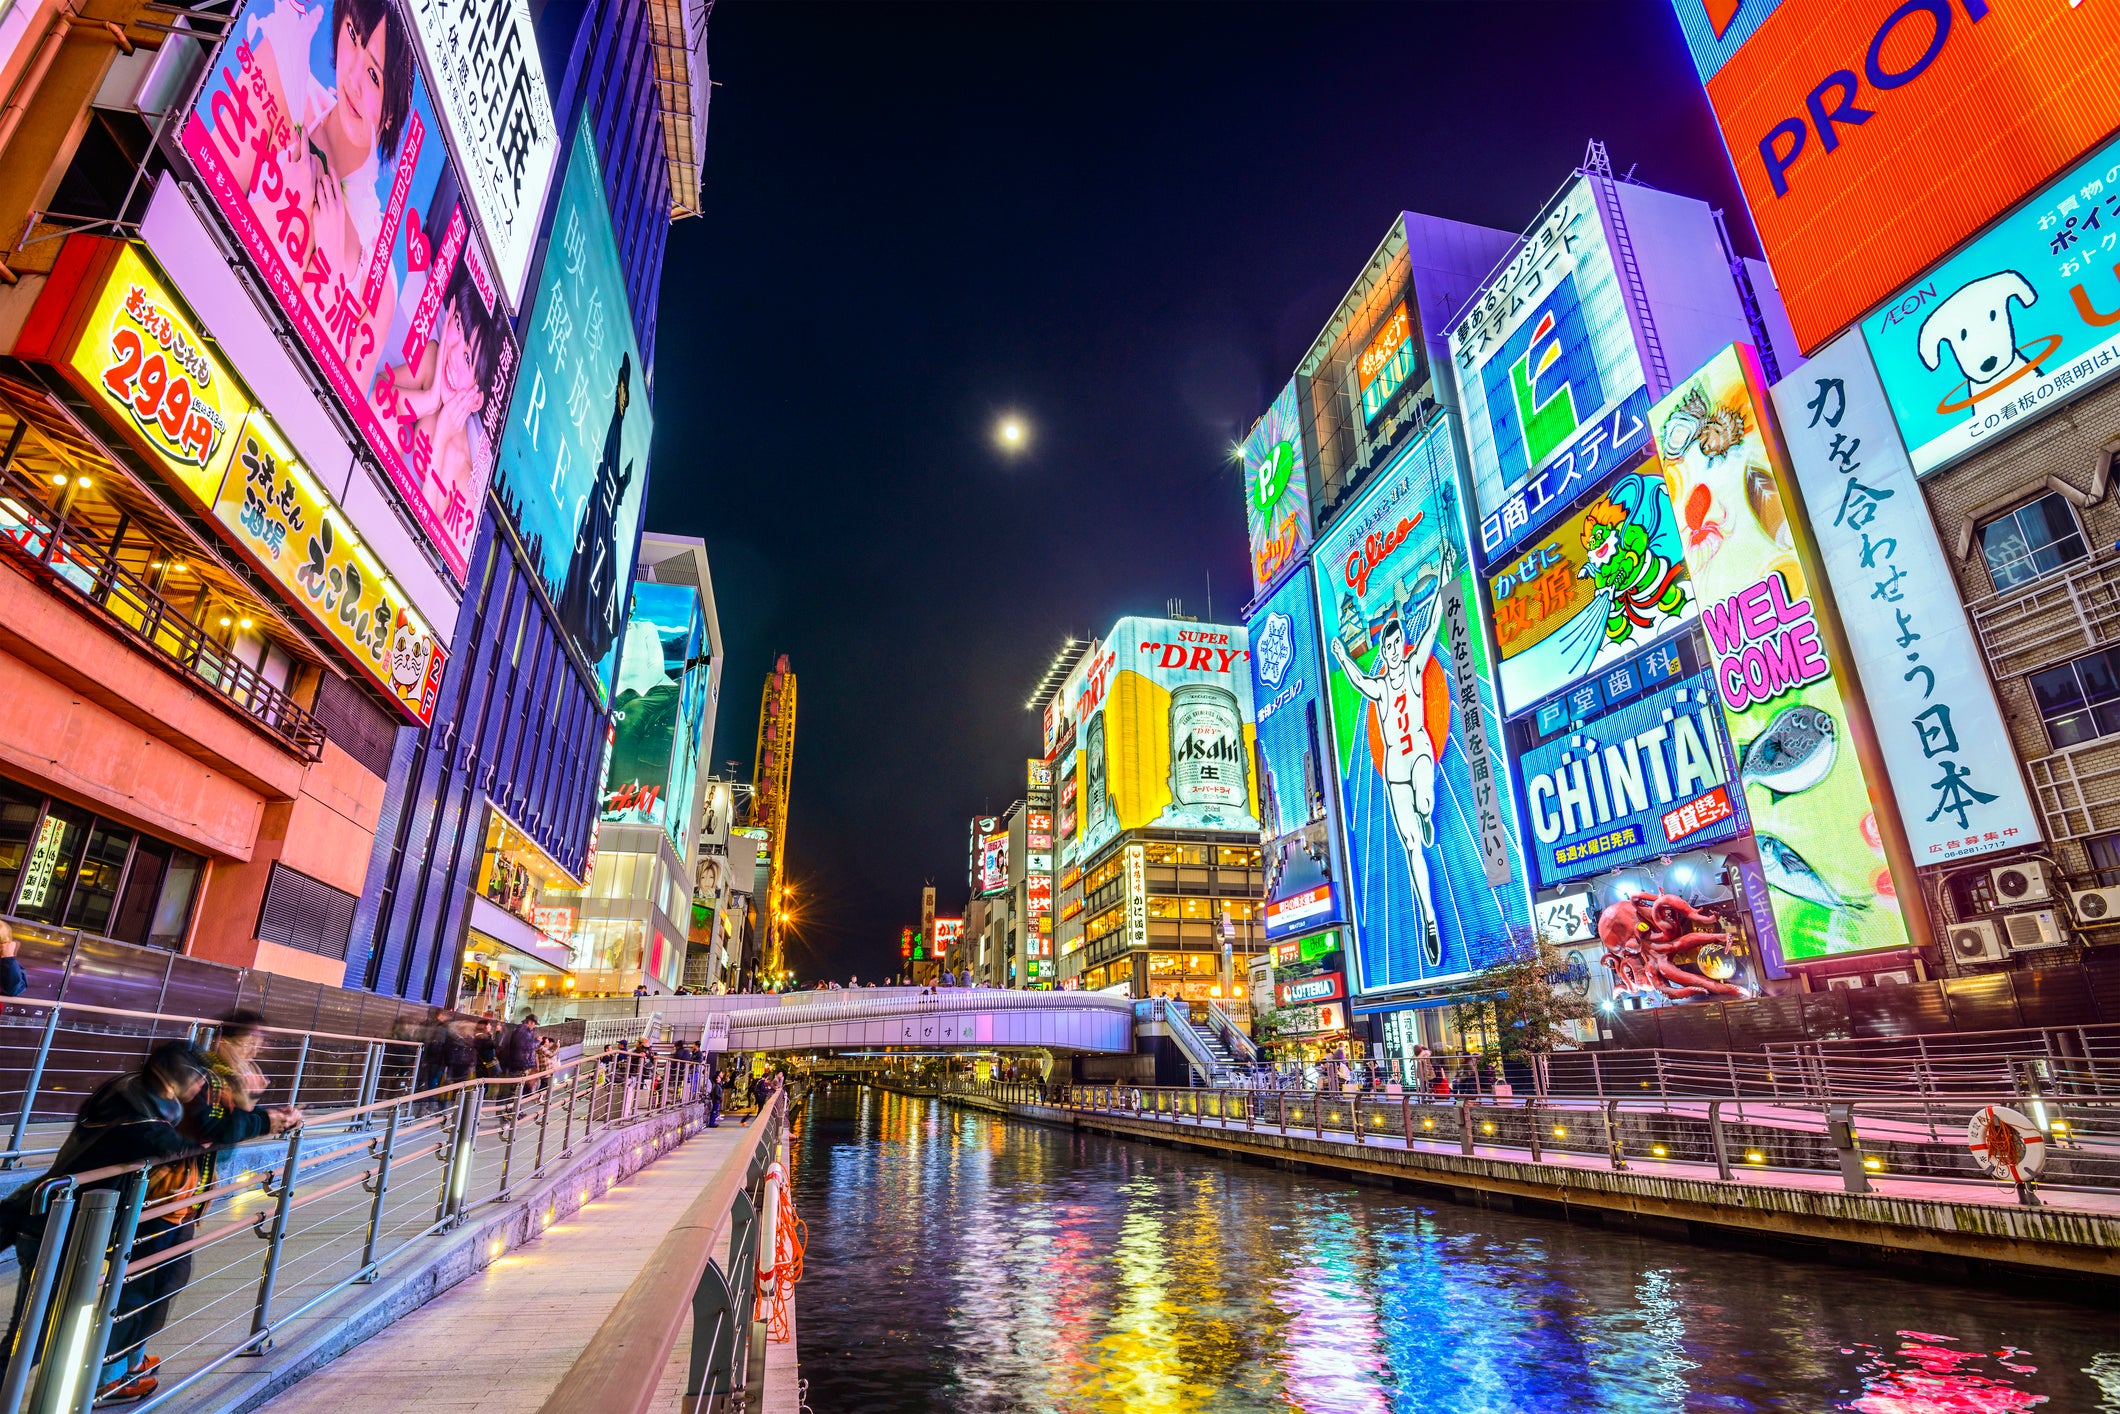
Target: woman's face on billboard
x: 359, y: 64
x: 459, y: 370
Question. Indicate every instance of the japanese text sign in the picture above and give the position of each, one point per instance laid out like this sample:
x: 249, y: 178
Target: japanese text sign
x: 2012, y: 326
x: 491, y: 86
x: 1414, y: 741
x: 1872, y: 136
x: 132, y: 345
x: 1944, y: 741
x: 273, y: 508
x: 346, y: 206
x: 1276, y: 489
x: 1820, y: 843
x: 1547, y: 373
x: 1297, y: 810
x: 1642, y: 781
x: 1597, y: 587
x: 574, y: 457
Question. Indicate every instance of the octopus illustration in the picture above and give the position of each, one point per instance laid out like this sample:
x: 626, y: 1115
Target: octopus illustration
x: 1643, y: 936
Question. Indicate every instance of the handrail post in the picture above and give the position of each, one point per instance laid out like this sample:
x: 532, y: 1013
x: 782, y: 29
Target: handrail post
x: 511, y: 1113
x: 1284, y: 1111
x: 1406, y: 1114
x: 301, y: 1063
x: 380, y: 1186
x: 456, y: 1166
x: 43, y: 1277
x: 61, y: 1373
x: 1613, y: 1148
x: 1465, y: 1126
x: 29, y: 1089
x: 544, y: 1122
x: 566, y: 1128
x: 1720, y: 1140
x: 1538, y: 1155
x: 261, y: 1317
x: 130, y: 1200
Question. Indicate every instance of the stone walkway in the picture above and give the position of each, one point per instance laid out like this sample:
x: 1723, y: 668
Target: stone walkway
x: 498, y: 1342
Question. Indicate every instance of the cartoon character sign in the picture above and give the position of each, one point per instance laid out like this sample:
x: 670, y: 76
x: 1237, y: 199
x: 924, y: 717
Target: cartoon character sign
x: 1599, y: 585
x: 2012, y: 326
x: 1412, y: 708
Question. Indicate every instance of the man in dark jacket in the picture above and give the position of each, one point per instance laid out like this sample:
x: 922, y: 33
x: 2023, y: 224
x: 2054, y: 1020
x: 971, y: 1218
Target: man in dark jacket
x: 518, y: 1048
x: 128, y: 1120
x: 13, y: 980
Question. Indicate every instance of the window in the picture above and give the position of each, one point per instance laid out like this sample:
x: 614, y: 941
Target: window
x: 2105, y: 858
x: 2030, y: 541
x: 2081, y: 700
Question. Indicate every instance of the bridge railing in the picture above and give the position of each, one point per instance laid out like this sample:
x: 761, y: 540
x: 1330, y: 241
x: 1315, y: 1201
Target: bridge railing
x: 1859, y: 1137
x: 213, y: 1273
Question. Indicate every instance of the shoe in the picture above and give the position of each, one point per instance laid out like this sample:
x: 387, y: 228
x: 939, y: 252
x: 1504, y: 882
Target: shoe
x: 127, y: 1390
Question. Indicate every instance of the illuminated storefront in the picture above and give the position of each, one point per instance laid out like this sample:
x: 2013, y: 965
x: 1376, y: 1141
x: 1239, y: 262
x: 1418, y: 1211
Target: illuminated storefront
x: 523, y: 926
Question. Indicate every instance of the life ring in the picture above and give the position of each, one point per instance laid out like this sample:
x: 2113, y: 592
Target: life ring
x: 2006, y: 1143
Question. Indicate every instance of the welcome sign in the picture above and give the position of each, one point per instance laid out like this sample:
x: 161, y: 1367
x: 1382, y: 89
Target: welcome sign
x: 1820, y: 843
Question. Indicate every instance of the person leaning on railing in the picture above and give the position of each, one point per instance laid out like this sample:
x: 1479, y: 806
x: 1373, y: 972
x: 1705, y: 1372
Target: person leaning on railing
x: 13, y: 980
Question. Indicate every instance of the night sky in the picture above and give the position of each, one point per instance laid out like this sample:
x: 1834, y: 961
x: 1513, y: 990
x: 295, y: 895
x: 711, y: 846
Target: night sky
x: 1125, y: 224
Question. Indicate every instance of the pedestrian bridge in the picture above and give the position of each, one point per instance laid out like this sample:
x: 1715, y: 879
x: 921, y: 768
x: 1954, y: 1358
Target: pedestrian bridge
x: 949, y: 1019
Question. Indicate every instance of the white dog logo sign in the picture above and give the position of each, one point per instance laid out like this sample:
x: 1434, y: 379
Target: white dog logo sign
x: 1976, y: 322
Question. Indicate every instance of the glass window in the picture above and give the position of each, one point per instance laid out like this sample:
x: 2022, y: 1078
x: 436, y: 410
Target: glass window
x: 180, y: 885
x: 2031, y: 541
x: 48, y: 876
x: 2105, y: 857
x: 96, y: 878
x: 2079, y: 701
x: 143, y: 883
x: 18, y: 822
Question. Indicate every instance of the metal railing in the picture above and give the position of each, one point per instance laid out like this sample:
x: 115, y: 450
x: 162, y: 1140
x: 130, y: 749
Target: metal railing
x: 1235, y: 1037
x: 353, y: 1192
x: 53, y: 1054
x: 706, y: 1272
x: 56, y: 554
x: 1861, y: 1138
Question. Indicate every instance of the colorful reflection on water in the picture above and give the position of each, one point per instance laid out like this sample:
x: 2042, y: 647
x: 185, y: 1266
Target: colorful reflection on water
x: 965, y: 1264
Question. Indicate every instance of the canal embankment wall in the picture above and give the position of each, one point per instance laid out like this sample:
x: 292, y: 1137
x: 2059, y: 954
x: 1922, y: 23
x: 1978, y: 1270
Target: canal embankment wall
x: 1927, y: 1228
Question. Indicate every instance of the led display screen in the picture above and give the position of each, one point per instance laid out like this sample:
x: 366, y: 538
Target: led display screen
x: 1166, y: 736
x: 1434, y: 872
x: 1276, y: 492
x: 659, y: 711
x: 574, y: 460
x: 1296, y: 806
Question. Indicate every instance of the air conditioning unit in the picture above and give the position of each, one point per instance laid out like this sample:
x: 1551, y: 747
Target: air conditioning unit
x: 2040, y: 929
x: 2096, y: 905
x: 2022, y: 882
x: 1977, y: 941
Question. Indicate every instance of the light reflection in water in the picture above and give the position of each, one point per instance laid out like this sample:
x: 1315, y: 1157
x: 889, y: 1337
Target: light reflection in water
x: 967, y: 1265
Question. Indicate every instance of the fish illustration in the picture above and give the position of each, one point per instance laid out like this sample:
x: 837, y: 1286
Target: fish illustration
x: 1707, y: 525
x: 1764, y: 497
x: 1792, y: 874
x: 1793, y: 754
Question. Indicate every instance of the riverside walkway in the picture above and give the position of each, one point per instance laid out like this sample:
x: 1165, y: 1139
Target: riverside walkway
x: 1639, y: 1170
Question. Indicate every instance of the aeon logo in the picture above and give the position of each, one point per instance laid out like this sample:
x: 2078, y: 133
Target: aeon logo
x: 1836, y: 100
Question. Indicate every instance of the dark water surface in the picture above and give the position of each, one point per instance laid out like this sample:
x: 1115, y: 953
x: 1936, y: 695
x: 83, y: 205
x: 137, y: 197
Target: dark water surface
x: 962, y: 1263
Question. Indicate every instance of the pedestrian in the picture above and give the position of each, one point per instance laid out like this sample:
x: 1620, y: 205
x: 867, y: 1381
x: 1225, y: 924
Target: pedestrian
x: 713, y: 1098
x: 516, y: 1052
x: 13, y: 980
x: 488, y: 1042
x: 460, y: 1050
x: 1423, y: 1069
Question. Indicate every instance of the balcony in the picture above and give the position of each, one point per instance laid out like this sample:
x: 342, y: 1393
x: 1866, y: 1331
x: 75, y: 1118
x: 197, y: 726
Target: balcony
x: 72, y: 565
x: 2057, y: 617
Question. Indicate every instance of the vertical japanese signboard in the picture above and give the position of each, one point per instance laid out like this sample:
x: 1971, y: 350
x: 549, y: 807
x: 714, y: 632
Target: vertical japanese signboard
x: 1552, y: 385
x: 1276, y: 489
x: 1943, y: 736
x: 1822, y: 846
x: 574, y: 459
x: 347, y: 204
x: 1304, y: 871
x: 1434, y: 873
x: 491, y: 87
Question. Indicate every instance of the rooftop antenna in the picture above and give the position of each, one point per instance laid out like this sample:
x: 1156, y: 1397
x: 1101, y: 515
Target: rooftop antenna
x: 1596, y: 159
x: 1210, y: 596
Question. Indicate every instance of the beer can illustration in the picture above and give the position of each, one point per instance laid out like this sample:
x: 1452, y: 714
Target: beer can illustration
x: 1209, y: 776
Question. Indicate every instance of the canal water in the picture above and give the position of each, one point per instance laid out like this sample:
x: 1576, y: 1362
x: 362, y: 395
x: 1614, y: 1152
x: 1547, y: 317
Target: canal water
x: 970, y: 1265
